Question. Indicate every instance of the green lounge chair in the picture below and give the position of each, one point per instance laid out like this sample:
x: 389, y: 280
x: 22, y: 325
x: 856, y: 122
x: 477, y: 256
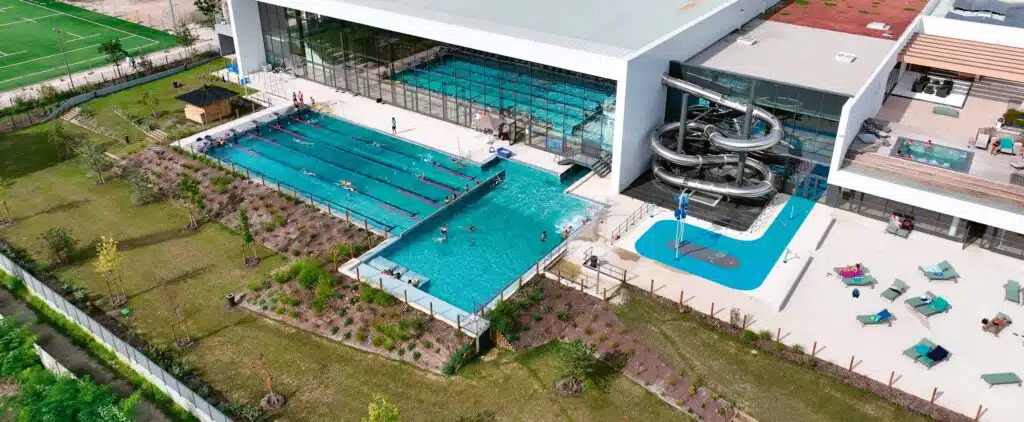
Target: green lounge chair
x: 1012, y: 291
x: 934, y: 356
x: 882, y: 317
x: 917, y: 302
x: 897, y: 289
x: 920, y: 349
x: 995, y: 329
x: 1002, y: 378
x: 941, y: 271
x: 862, y: 281
x: 894, y: 229
x: 935, y: 307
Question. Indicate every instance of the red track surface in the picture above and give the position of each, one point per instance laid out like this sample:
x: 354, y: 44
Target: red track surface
x: 850, y: 16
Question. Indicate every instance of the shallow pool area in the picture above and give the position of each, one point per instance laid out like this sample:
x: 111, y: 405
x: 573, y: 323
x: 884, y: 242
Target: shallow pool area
x: 492, y: 238
x: 933, y: 154
x: 734, y: 263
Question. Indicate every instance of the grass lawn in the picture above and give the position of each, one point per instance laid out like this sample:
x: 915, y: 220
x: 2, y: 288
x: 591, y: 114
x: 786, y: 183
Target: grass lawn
x: 764, y: 387
x: 323, y: 380
x: 32, y: 53
x: 169, y: 111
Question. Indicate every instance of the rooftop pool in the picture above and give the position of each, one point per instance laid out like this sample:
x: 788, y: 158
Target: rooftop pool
x: 733, y: 263
x: 934, y: 155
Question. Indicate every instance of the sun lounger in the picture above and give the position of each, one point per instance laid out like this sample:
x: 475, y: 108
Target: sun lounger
x: 933, y: 357
x: 897, y: 289
x: 841, y: 273
x: 941, y: 271
x: 917, y: 301
x: 1012, y: 291
x: 920, y: 349
x: 996, y: 329
x: 935, y: 307
x: 1002, y: 378
x: 862, y: 281
x: 894, y: 229
x: 882, y: 317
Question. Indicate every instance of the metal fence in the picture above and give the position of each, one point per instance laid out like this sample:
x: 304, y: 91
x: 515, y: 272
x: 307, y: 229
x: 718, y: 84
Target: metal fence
x: 174, y: 389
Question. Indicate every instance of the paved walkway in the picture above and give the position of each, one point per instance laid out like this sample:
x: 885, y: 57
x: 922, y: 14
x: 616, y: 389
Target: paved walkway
x: 78, y: 361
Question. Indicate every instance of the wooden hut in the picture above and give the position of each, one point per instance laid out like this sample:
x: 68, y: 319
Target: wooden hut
x: 208, y: 103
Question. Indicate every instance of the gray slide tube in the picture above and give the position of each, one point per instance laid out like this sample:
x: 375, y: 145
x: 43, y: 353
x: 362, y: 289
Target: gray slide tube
x: 751, y: 188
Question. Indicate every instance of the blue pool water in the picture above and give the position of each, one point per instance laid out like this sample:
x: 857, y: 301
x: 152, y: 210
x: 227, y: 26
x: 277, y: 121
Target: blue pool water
x: 470, y: 268
x: 396, y: 183
x: 933, y: 155
x: 744, y: 263
x: 540, y: 94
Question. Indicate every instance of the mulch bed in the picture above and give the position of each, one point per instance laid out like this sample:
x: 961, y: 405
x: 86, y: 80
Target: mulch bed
x: 278, y: 220
x: 563, y: 313
x: 347, y: 319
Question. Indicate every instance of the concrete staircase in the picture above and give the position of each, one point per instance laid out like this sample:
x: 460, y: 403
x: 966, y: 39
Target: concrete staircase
x: 999, y: 90
x: 156, y: 135
x: 70, y: 115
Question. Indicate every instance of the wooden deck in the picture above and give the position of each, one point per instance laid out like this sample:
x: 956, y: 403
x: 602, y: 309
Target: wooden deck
x: 941, y: 179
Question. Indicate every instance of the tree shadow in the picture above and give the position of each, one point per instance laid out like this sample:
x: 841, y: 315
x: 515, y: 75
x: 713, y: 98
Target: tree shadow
x: 154, y: 238
x: 65, y: 206
x: 183, y: 276
x: 25, y: 152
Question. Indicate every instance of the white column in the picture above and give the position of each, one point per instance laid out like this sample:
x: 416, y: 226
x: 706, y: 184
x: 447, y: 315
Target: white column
x: 953, y: 225
x: 245, y: 23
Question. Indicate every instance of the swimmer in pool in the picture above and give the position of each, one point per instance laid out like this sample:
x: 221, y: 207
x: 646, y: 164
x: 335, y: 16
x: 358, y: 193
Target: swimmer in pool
x: 444, y: 233
x: 471, y: 228
x: 544, y: 236
x: 299, y: 141
x: 308, y: 173
x: 345, y: 184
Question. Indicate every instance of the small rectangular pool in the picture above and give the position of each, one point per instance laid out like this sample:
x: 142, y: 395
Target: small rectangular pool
x: 933, y: 154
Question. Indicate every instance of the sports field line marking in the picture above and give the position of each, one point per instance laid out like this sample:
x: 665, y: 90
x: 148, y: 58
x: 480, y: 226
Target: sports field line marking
x: 77, y: 37
x: 2, y: 54
x: 69, y: 51
x: 84, y: 38
x: 71, y: 64
x: 24, y: 19
x: 86, y: 20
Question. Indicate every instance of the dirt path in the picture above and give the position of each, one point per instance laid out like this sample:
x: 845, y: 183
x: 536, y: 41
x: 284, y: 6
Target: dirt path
x: 74, y: 358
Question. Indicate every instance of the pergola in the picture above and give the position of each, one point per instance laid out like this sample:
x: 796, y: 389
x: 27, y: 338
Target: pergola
x: 976, y: 58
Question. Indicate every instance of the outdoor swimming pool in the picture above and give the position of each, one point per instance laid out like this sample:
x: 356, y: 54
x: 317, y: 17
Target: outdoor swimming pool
x: 737, y: 264
x: 540, y: 94
x: 933, y: 155
x: 469, y: 268
x: 394, y: 184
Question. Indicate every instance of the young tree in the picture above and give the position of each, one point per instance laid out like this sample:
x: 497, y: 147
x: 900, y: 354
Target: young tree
x: 192, y: 197
x: 150, y: 100
x: 115, y: 53
x: 273, y: 400
x: 248, y: 241
x: 47, y: 93
x: 108, y: 264
x: 209, y: 8
x: 142, y: 191
x: 178, y: 320
x: 59, y: 245
x: 65, y: 142
x: 94, y: 158
x: 186, y: 38
x: 577, y: 360
x: 5, y: 187
x: 380, y: 410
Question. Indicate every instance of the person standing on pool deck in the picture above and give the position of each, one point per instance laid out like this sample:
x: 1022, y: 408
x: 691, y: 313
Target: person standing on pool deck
x: 394, y: 125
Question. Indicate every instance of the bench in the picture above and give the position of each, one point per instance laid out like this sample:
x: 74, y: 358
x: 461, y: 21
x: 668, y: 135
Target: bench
x: 945, y: 111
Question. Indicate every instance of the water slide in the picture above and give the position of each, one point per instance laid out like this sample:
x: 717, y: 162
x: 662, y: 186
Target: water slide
x: 727, y: 150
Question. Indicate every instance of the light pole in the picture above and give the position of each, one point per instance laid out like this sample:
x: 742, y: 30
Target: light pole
x: 174, y: 22
x: 66, y: 66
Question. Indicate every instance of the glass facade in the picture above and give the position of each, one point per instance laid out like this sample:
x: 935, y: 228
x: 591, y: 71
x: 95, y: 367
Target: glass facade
x: 557, y: 110
x: 810, y: 118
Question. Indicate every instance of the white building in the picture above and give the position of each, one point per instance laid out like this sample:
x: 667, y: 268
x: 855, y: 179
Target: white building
x: 583, y: 78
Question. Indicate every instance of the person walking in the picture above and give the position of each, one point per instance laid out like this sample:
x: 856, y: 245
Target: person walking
x: 394, y: 126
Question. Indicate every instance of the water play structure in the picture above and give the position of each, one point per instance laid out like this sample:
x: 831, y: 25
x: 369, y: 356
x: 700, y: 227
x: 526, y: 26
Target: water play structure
x: 712, y: 154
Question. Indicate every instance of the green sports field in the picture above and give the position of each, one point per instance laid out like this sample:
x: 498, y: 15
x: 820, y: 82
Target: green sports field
x: 29, y: 52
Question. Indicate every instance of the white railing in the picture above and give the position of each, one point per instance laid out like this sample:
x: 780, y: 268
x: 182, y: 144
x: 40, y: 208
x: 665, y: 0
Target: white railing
x: 631, y: 221
x: 160, y: 378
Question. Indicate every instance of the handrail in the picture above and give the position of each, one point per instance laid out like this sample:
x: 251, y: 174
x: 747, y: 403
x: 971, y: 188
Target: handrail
x: 631, y: 220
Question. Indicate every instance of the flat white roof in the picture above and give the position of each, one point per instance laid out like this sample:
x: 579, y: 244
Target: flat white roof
x: 614, y: 28
x: 798, y: 55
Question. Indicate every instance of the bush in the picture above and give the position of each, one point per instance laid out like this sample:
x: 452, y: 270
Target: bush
x: 325, y: 288
x: 58, y: 244
x: 319, y: 304
x: 764, y: 334
x: 749, y: 336
x: 375, y: 296
x: 415, y: 355
x: 798, y: 348
x: 334, y: 330
x: 460, y: 357
x: 503, y: 319
x: 577, y: 359
x: 348, y: 321
x: 562, y: 316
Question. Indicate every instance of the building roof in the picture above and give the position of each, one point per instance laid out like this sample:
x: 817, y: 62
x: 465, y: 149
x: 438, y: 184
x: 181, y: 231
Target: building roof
x: 851, y: 16
x: 976, y: 58
x: 207, y: 95
x: 798, y: 55
x: 614, y: 28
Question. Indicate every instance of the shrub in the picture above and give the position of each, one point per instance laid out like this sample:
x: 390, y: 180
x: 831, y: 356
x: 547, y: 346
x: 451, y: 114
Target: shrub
x: 536, y: 318
x: 460, y: 357
x: 375, y: 296
x: 427, y: 344
x: 764, y: 334
x: 749, y: 336
x: 334, y: 330
x: 362, y: 335
x: 503, y: 319
x: 348, y: 335
x: 256, y: 286
x: 348, y: 321
x: 319, y: 304
x: 293, y: 313
x: 416, y: 355
x: 798, y: 348
x: 562, y: 316
x: 325, y: 288
x: 377, y: 341
x: 693, y: 389
x: 536, y: 295
x: 588, y: 331
x: 342, y: 311
x: 577, y: 359
x: 58, y: 244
